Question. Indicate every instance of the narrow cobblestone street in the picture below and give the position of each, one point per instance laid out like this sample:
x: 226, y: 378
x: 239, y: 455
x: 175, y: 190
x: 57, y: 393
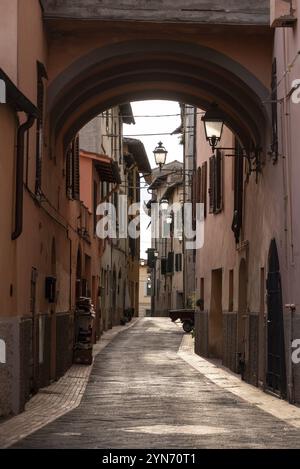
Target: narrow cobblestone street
x: 142, y: 394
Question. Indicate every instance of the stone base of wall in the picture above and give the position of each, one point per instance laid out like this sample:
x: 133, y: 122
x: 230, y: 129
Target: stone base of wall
x: 26, y: 360
x: 201, y: 333
x: 296, y: 366
x: 251, y: 365
x: 16, y: 372
x: 9, y: 366
x: 230, y: 341
x: 19, y: 376
x: 64, y: 343
x: 45, y: 353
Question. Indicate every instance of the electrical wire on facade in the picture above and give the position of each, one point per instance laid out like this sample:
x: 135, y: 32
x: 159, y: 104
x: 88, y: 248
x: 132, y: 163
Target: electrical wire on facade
x: 103, y: 116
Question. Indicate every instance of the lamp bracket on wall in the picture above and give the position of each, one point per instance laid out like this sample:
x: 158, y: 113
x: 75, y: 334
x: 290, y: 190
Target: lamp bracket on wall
x: 252, y: 156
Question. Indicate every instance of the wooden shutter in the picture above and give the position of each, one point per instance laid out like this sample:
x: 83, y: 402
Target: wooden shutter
x: 218, y: 181
x: 41, y: 74
x: 163, y: 266
x: 75, y: 172
x: 193, y: 196
x: 151, y: 258
x: 199, y: 186
x: 69, y: 165
x: 203, y: 198
x: 238, y: 194
x: 178, y: 262
x: 274, y: 145
x: 132, y: 246
x: 212, y: 178
x: 170, y: 264
x: 95, y: 204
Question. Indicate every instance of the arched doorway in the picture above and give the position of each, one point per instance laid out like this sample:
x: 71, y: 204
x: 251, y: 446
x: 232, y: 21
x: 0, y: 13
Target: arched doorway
x: 242, y: 315
x: 276, y: 367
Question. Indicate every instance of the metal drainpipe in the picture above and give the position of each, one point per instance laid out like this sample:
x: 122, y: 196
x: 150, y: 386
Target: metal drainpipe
x: 20, y: 175
x: 195, y: 175
x: 183, y: 221
x: 291, y: 260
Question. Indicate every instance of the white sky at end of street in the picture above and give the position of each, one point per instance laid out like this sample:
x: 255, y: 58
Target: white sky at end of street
x: 154, y: 125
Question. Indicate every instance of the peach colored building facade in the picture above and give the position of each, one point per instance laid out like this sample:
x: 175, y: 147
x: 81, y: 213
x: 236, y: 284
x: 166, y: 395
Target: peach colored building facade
x: 54, y: 242
x: 60, y: 74
x: 247, y: 272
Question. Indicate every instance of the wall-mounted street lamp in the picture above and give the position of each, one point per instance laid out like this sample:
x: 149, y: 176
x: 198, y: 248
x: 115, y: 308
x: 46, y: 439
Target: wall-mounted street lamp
x: 213, y: 125
x: 169, y: 219
x: 164, y: 205
x: 160, y: 155
x: 214, y: 121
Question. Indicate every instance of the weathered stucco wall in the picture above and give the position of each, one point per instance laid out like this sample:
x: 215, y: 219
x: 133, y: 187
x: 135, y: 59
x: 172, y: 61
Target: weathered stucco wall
x: 9, y: 38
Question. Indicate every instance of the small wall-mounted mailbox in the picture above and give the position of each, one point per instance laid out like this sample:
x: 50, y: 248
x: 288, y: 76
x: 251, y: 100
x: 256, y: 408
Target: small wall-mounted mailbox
x: 2, y: 92
x: 50, y: 289
x: 2, y: 351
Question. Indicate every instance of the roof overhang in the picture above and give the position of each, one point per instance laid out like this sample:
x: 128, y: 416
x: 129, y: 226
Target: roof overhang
x: 127, y: 113
x: 107, y: 168
x: 137, y: 150
x: 158, y: 182
x: 16, y: 98
x: 171, y: 188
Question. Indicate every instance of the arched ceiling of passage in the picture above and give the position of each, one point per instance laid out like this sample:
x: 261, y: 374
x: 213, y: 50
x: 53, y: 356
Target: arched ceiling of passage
x: 181, y: 71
